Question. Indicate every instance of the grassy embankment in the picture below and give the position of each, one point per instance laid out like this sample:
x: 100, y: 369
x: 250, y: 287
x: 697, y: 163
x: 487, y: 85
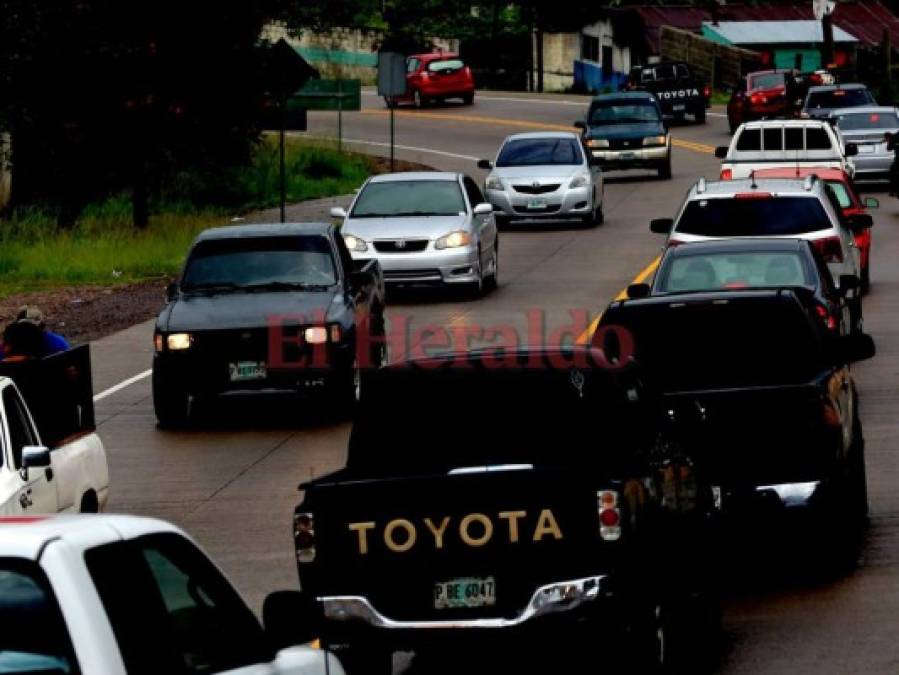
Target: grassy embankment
x: 104, y: 248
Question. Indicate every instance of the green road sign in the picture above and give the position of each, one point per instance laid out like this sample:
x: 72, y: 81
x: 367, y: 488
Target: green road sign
x: 329, y: 95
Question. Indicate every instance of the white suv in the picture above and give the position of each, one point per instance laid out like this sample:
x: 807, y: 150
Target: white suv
x: 774, y: 207
x: 778, y: 143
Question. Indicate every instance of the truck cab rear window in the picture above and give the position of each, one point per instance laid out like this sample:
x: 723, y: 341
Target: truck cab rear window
x: 777, y: 216
x: 750, y: 140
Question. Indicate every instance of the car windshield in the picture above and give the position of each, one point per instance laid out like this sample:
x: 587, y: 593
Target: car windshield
x: 445, y: 66
x: 242, y: 262
x: 766, y: 81
x: 753, y: 217
x: 540, y: 152
x: 839, y: 98
x: 397, y: 198
x: 868, y: 120
x: 623, y: 112
x: 722, y: 271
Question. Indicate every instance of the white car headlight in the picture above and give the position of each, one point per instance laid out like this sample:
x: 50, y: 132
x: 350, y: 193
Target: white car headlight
x: 355, y: 243
x: 179, y: 341
x: 453, y: 240
x: 316, y: 336
x: 597, y: 143
x: 655, y: 140
x: 580, y: 180
x: 494, y: 183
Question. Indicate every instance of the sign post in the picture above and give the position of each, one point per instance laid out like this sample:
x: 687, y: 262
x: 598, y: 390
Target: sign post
x: 823, y: 10
x: 391, y: 83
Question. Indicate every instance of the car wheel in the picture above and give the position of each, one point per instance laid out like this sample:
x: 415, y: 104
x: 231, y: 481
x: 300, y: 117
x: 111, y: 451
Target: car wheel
x: 673, y: 637
x: 866, y: 277
x: 858, y: 475
x: 417, y: 99
x: 476, y: 288
x: 390, y: 102
x: 732, y: 126
x: 493, y: 279
x: 171, y: 402
x: 665, y: 168
x: 700, y: 116
x: 501, y: 221
x: 468, y: 99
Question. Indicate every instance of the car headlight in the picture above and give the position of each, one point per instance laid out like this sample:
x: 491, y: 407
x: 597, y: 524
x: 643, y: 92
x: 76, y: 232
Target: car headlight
x: 580, y: 180
x: 316, y: 335
x: 494, y: 183
x: 453, y: 240
x: 597, y: 143
x: 655, y: 140
x: 179, y: 341
x: 355, y: 243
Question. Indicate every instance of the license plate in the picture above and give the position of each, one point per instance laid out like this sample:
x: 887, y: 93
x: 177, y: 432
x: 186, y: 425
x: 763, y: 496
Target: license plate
x: 538, y: 203
x: 627, y: 155
x: 465, y: 592
x: 679, y: 107
x: 866, y: 149
x: 246, y: 370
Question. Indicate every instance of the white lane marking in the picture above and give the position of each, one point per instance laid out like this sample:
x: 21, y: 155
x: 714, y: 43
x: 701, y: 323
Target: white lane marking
x: 404, y: 147
x: 122, y: 385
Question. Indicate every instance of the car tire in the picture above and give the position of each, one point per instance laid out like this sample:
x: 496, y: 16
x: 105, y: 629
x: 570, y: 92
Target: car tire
x: 365, y: 659
x: 673, y: 638
x: 732, y: 126
x: 476, y: 288
x: 468, y: 99
x: 171, y: 402
x: 390, y: 102
x: 700, y: 116
x: 858, y: 475
x: 501, y: 221
x: 665, y: 168
x: 493, y: 280
x: 866, y: 278
x: 418, y: 100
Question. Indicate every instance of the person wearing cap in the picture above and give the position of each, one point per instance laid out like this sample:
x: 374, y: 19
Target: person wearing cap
x: 52, y: 343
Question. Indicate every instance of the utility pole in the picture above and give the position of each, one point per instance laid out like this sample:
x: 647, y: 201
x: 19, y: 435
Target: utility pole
x: 827, y: 44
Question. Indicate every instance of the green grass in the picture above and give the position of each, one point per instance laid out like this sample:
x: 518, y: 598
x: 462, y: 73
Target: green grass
x: 104, y: 248
x: 720, y: 97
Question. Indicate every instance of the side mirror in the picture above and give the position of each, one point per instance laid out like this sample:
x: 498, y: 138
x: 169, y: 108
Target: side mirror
x: 637, y: 291
x: 871, y: 203
x: 857, y: 347
x: 485, y: 164
x: 338, y: 212
x: 849, y: 283
x: 360, y: 279
x: 580, y: 124
x: 483, y: 209
x: 34, y: 457
x: 721, y: 151
x: 859, y: 222
x: 593, y: 160
x: 851, y: 149
x: 171, y: 291
x: 661, y: 225
x: 291, y: 618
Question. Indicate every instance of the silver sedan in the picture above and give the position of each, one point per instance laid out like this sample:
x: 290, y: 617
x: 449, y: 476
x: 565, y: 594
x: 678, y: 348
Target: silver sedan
x: 867, y: 128
x: 424, y: 227
x: 546, y: 176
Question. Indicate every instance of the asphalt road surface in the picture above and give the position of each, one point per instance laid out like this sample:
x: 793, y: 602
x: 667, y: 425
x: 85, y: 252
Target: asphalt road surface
x: 232, y: 481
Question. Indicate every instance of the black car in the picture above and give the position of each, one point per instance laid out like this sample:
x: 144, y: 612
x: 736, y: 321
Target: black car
x: 779, y: 425
x: 749, y: 263
x: 262, y: 307
x: 627, y: 131
x: 518, y: 495
x: 679, y: 90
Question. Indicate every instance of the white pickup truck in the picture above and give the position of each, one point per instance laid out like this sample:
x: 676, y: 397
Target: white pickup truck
x: 51, y: 459
x: 110, y: 595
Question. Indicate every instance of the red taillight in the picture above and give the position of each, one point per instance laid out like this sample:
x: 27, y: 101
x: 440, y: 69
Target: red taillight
x: 609, y: 515
x: 830, y: 248
x: 727, y: 174
x: 707, y: 92
x: 826, y: 317
x: 758, y: 99
x: 304, y: 537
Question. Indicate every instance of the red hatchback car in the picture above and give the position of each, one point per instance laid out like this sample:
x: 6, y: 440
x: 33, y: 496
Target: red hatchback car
x: 761, y: 94
x: 850, y: 203
x: 436, y: 77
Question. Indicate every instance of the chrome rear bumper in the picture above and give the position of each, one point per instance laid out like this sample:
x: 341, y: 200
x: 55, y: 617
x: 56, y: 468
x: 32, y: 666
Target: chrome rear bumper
x: 562, y: 596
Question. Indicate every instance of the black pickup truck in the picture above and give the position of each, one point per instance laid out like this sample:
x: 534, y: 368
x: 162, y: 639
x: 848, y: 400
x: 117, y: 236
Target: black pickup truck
x: 680, y: 92
x: 263, y: 307
x: 779, y: 428
x: 505, y: 497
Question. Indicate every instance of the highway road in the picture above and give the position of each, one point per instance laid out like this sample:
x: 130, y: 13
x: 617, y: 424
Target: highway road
x: 232, y: 481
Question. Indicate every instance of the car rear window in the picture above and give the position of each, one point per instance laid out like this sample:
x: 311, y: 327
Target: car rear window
x: 623, y: 111
x: 243, y: 262
x: 844, y: 199
x: 722, y: 271
x: 766, y: 81
x: 839, y: 98
x: 540, y: 152
x: 817, y: 139
x: 750, y: 140
x: 868, y: 120
x: 409, y: 198
x: 446, y: 66
x: 753, y: 217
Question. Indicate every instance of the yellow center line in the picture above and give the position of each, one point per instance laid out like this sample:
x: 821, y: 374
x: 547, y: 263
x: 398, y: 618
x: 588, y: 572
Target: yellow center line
x: 587, y: 335
x: 523, y: 124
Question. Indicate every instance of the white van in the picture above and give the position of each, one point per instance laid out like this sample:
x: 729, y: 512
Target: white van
x: 784, y: 143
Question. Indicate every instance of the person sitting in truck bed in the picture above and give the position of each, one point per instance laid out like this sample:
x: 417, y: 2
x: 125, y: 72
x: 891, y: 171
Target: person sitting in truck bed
x: 51, y: 343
